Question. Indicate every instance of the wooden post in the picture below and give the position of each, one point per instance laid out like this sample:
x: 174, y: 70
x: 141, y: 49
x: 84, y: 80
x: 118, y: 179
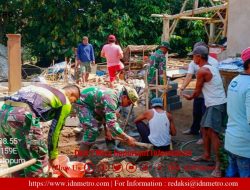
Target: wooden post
x: 147, y: 91
x: 225, y: 23
x: 157, y: 82
x: 166, y: 38
x: 165, y: 90
x: 165, y: 33
x: 66, y: 70
x: 212, y: 33
x: 14, y: 61
x: 53, y: 74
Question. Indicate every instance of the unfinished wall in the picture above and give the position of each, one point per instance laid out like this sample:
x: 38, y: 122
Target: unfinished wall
x: 238, y: 26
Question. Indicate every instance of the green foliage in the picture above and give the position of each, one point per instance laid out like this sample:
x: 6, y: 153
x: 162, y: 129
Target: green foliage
x: 52, y: 28
x: 188, y: 33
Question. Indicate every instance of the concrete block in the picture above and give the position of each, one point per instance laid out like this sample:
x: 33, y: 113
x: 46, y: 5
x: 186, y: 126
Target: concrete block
x: 172, y: 93
x: 174, y: 85
x: 173, y: 99
x: 174, y: 106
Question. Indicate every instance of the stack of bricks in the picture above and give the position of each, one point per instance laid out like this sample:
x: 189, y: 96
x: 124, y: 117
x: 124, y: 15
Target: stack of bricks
x: 173, y: 99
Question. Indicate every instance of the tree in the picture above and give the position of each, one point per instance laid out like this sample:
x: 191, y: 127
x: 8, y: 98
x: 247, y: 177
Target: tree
x: 51, y: 28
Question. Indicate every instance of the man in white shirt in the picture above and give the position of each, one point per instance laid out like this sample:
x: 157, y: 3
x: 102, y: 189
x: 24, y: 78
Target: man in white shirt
x: 198, y: 103
x: 210, y: 84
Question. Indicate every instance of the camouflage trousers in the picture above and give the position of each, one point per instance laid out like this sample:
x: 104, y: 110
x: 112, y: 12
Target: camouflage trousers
x: 22, y: 140
x: 90, y: 122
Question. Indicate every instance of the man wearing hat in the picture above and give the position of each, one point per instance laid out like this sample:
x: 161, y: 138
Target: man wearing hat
x: 209, y: 83
x: 160, y: 126
x: 98, y: 106
x: 158, y: 62
x: 113, y: 53
x: 237, y: 139
x: 198, y: 103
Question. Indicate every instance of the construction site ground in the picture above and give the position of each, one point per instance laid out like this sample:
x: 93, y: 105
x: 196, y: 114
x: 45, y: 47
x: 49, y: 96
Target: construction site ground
x: 178, y: 165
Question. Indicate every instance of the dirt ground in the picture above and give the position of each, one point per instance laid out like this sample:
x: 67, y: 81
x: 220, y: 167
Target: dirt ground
x: 175, y: 165
x: 178, y: 165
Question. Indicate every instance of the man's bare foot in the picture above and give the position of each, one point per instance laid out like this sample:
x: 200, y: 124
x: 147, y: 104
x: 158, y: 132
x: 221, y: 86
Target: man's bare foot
x: 200, y: 159
x: 200, y: 141
x: 216, y: 173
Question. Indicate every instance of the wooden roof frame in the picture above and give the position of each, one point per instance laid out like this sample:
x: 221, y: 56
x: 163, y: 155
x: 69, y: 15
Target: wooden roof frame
x: 189, y: 15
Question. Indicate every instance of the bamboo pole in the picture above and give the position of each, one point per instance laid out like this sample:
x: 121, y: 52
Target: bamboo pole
x: 165, y: 89
x: 17, y: 167
x: 218, y: 35
x: 157, y: 82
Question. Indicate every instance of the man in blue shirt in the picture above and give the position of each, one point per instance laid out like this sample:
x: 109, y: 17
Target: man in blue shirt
x: 237, y: 138
x: 85, y: 56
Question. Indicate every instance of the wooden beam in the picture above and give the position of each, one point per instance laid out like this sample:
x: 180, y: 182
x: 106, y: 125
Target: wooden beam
x: 215, y: 21
x: 195, y: 18
x: 189, y: 12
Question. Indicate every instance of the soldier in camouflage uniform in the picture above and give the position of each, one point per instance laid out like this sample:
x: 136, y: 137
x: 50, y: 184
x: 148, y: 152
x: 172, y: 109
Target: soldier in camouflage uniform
x: 20, y: 129
x: 157, y: 61
x: 97, y: 106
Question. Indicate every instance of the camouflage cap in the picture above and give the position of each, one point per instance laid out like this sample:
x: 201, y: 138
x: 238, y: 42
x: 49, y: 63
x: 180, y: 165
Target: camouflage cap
x: 132, y: 94
x: 165, y: 44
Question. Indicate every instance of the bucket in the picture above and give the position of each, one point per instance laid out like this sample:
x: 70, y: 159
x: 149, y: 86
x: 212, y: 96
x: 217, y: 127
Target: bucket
x: 76, y: 169
x: 63, y: 160
x: 63, y: 164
